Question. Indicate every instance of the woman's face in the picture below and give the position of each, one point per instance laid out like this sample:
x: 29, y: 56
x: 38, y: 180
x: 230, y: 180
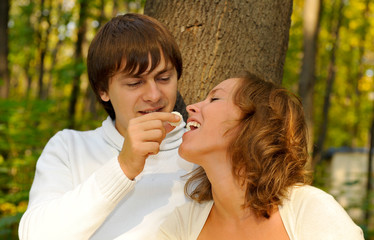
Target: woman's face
x: 208, y: 124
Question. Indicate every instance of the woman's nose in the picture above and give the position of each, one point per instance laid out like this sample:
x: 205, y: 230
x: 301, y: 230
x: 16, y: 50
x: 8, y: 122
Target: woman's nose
x: 192, y: 108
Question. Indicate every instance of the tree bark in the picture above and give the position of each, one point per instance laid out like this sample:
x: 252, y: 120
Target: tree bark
x: 318, y: 149
x: 4, y: 49
x: 218, y: 39
x: 312, y: 16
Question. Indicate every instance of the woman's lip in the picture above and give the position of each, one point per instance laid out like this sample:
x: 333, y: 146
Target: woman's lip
x: 193, y: 120
x: 186, y: 133
x: 189, y: 134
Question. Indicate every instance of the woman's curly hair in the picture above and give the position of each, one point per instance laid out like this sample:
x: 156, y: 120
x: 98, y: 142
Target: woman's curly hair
x: 269, y: 153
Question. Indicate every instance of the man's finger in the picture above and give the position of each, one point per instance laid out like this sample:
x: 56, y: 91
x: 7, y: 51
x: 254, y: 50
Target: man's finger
x: 154, y: 135
x: 168, y: 127
x: 163, y: 116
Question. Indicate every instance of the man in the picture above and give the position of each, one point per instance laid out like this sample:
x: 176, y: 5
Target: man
x: 124, y: 177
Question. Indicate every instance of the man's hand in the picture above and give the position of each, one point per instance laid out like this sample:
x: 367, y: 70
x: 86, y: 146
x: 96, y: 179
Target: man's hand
x: 143, y: 138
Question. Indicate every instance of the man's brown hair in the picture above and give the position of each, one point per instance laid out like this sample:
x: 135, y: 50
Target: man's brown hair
x: 125, y: 44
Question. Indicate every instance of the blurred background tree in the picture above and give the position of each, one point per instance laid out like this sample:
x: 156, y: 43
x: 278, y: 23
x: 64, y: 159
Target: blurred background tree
x: 44, y: 86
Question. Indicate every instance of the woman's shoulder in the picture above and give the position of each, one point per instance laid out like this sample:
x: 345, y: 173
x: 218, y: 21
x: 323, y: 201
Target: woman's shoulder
x: 186, y: 221
x: 191, y: 213
x: 309, y: 200
x: 300, y: 192
x: 310, y: 211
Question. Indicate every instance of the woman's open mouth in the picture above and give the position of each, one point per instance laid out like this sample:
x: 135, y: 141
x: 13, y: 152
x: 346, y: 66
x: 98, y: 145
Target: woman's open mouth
x: 192, y: 125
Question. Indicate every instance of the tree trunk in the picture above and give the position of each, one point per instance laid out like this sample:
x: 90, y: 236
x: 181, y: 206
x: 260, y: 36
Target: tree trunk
x: 369, y: 184
x: 220, y: 38
x: 55, y: 50
x: 53, y: 66
x: 4, y: 49
x: 317, y: 153
x: 42, y: 51
x: 90, y: 97
x: 360, y: 73
x: 312, y: 16
x: 28, y: 78
x: 78, y: 58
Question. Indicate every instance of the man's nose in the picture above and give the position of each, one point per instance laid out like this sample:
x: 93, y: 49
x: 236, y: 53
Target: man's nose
x: 152, y: 92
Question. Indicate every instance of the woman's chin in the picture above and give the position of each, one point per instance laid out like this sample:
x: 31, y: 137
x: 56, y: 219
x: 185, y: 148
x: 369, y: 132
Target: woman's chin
x: 182, y: 153
x: 185, y: 154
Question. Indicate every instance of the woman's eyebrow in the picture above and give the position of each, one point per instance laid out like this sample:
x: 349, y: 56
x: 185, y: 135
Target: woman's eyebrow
x: 212, y: 92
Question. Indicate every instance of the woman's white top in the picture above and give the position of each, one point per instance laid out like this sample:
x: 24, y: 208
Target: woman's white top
x: 308, y: 214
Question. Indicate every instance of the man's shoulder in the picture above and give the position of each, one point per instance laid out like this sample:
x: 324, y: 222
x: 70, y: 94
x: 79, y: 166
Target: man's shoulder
x: 74, y: 132
x: 72, y: 135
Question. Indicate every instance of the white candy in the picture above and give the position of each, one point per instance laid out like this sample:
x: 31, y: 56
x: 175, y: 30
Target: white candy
x: 174, y: 124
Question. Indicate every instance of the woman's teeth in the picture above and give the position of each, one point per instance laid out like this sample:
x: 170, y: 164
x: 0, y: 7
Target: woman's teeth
x: 192, y: 125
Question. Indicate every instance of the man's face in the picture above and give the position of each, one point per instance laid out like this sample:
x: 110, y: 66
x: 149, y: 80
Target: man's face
x: 133, y: 96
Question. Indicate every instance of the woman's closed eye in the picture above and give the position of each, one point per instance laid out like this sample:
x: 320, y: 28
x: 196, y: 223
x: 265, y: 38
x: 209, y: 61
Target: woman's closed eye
x: 212, y: 99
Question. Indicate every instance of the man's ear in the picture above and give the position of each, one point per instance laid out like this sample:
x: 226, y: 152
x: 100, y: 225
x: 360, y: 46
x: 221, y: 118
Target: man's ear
x: 104, y: 96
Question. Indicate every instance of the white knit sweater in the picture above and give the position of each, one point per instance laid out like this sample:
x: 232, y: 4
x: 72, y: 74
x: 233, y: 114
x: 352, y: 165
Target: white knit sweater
x: 80, y: 191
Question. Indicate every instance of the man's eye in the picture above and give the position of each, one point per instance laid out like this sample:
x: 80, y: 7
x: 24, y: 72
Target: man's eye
x: 214, y: 99
x: 133, y: 84
x: 164, y: 79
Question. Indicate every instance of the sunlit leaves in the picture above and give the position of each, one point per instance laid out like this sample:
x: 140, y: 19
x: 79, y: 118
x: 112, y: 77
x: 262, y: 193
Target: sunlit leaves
x: 351, y: 104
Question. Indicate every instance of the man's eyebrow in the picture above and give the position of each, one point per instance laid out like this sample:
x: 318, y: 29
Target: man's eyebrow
x: 162, y: 71
x: 129, y: 75
x: 166, y: 69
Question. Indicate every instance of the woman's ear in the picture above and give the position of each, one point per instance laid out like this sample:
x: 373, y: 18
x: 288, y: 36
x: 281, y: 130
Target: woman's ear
x: 104, y: 96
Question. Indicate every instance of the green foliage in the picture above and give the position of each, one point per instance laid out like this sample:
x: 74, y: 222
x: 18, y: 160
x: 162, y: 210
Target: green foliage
x: 295, y: 46
x: 25, y: 129
x: 351, y: 106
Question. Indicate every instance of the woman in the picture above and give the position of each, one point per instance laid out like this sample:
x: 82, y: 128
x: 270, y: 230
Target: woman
x: 249, y: 138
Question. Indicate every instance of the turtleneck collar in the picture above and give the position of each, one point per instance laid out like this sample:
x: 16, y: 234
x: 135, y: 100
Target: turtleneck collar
x: 172, y: 140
